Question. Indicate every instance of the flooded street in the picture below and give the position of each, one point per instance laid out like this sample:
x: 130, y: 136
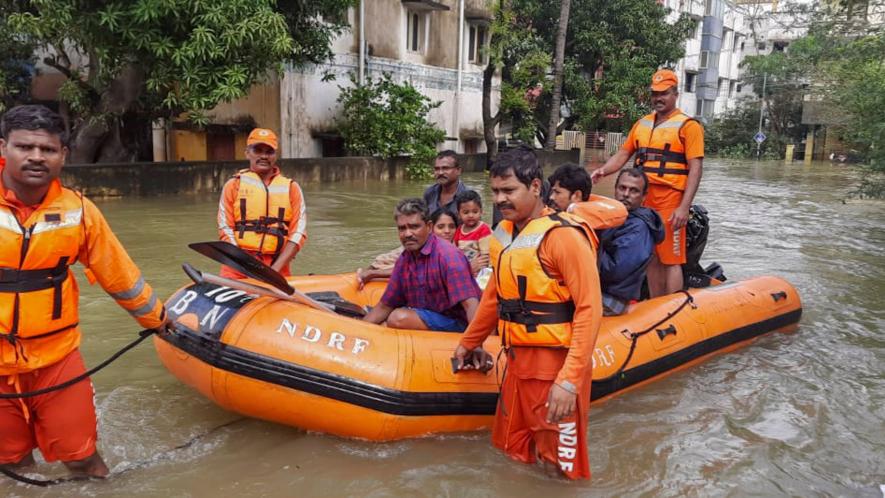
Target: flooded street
x: 799, y: 415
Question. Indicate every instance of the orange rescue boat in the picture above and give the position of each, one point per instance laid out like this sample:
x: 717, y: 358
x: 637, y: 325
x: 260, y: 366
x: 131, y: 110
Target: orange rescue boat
x: 292, y: 364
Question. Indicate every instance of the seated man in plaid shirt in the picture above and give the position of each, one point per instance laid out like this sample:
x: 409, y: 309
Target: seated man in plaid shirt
x: 431, y: 287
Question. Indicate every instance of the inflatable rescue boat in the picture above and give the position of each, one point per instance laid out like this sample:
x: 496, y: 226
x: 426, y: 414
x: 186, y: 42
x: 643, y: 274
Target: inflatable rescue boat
x: 330, y: 372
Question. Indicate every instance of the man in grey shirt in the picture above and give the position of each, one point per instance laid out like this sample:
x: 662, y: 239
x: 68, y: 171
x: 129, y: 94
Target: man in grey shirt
x: 448, y: 183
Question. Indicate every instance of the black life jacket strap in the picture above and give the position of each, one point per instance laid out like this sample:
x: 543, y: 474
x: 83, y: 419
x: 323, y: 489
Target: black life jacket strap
x: 19, y: 281
x: 534, y: 313
x: 664, y: 156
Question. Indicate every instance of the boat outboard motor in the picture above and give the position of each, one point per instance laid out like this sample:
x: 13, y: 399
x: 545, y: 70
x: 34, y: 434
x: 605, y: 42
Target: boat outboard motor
x: 696, y: 232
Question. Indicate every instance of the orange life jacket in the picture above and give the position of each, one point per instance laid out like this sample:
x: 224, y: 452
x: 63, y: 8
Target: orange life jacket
x: 533, y: 309
x: 660, y: 152
x: 600, y: 212
x: 38, y: 294
x: 262, y: 213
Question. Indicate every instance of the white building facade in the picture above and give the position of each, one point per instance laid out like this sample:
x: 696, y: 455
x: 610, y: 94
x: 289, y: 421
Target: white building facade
x: 437, y: 46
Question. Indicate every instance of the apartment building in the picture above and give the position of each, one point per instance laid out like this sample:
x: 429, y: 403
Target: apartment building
x: 436, y: 45
x: 710, y: 75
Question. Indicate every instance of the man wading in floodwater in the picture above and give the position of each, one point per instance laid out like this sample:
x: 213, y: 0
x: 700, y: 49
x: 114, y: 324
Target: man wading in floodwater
x: 44, y: 229
x: 545, y: 300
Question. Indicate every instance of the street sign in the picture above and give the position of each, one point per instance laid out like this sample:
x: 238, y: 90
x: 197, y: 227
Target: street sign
x: 759, y: 137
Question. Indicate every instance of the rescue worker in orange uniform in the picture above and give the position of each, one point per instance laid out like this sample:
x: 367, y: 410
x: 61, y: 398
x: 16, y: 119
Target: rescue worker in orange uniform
x: 544, y: 300
x: 262, y: 211
x: 669, y: 147
x: 44, y: 229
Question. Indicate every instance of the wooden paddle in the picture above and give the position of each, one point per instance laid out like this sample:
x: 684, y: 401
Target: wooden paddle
x: 245, y: 263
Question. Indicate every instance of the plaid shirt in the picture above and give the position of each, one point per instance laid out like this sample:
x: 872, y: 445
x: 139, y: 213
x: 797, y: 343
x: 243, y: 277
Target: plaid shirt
x: 437, y: 279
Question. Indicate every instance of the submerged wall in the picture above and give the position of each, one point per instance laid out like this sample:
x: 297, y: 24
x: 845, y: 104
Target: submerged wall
x: 134, y: 179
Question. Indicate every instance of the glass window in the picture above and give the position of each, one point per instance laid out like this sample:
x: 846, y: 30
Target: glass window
x: 476, y: 43
x: 689, y: 82
x: 416, y: 28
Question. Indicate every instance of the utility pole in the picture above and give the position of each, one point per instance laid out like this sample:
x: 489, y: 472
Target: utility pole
x: 761, y: 108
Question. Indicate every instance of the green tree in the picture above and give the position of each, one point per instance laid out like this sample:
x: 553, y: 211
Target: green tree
x: 16, y: 60
x: 387, y: 119
x: 520, y: 55
x: 612, y: 49
x: 128, y: 62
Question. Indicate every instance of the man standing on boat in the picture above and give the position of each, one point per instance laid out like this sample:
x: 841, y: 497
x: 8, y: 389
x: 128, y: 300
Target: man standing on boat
x: 544, y: 300
x: 44, y: 229
x: 669, y: 147
x: 262, y: 211
x: 448, y: 184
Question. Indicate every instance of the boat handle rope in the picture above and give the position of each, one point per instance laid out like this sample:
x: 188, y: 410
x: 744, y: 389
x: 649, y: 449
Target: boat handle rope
x: 634, y: 336
x: 156, y: 458
x: 144, y: 334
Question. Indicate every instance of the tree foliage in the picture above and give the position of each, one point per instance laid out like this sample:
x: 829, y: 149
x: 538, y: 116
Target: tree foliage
x: 839, y: 63
x: 128, y: 62
x: 612, y: 49
x: 388, y: 119
x: 16, y: 59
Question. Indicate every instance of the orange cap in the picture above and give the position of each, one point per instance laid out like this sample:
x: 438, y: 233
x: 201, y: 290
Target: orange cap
x: 262, y: 136
x: 663, y: 79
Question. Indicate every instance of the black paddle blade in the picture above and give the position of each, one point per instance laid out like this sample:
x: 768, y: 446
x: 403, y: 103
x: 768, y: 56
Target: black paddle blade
x: 243, y: 262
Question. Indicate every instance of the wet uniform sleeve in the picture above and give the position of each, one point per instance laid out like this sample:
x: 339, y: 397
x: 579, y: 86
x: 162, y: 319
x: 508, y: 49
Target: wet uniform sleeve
x: 226, y: 222
x: 568, y: 256
x: 298, y: 224
x: 485, y: 320
x: 109, y: 264
x: 692, y: 135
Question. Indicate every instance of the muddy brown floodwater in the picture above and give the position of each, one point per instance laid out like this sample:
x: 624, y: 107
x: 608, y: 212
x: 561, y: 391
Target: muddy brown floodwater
x: 799, y: 415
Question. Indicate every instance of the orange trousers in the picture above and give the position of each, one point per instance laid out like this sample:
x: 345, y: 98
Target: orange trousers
x: 61, y: 424
x: 522, y: 432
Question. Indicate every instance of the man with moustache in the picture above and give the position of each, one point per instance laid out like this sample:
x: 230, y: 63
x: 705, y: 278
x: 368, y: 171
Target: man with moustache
x: 262, y: 211
x: 669, y: 148
x: 545, y: 303
x: 625, y: 251
x: 431, y: 286
x: 448, y: 184
x: 44, y: 229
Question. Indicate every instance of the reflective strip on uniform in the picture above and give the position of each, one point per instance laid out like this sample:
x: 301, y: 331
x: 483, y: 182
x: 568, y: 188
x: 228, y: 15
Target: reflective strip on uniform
x: 132, y: 293
x: 298, y: 236
x: 9, y: 222
x: 670, y: 124
x: 525, y: 241
x: 147, y: 308
x: 502, y: 235
x: 70, y: 219
x: 222, y: 222
x: 278, y: 189
x: 252, y: 181
x: 646, y: 122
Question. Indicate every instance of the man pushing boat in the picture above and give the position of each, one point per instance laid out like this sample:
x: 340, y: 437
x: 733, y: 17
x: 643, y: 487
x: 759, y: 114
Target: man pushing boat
x: 44, y: 229
x: 544, y: 299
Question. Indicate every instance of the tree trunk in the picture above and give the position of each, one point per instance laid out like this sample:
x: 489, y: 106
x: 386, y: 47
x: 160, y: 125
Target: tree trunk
x: 489, y: 122
x: 558, y: 63
x: 98, y: 138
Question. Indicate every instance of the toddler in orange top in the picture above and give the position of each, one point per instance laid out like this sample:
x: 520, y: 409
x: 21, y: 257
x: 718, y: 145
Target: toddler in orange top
x: 473, y: 236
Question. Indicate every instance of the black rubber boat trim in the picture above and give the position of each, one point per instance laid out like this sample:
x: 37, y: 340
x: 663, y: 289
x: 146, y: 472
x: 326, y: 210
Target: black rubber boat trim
x: 395, y: 402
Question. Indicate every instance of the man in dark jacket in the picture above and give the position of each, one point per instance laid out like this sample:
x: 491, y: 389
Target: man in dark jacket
x: 625, y: 251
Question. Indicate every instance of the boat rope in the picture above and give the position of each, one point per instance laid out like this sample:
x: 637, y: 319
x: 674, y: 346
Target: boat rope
x: 634, y: 336
x: 138, y: 465
x: 144, y: 334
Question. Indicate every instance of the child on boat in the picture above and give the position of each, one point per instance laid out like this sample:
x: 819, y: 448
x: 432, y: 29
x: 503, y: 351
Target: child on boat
x: 474, y: 235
